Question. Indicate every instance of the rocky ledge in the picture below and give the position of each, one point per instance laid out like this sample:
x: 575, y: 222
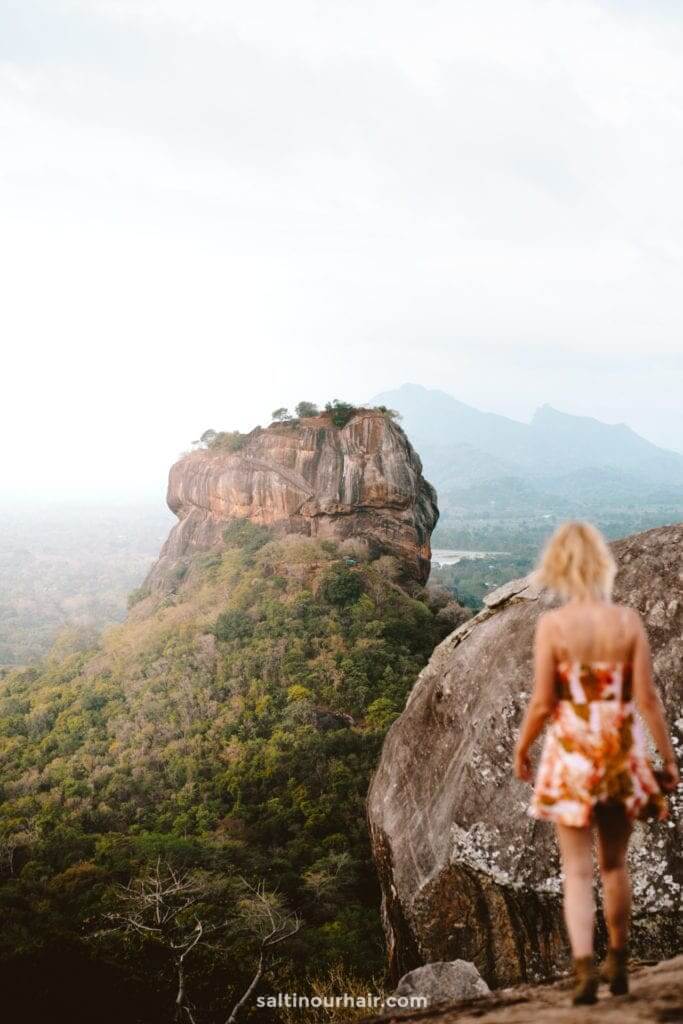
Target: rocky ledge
x: 656, y: 995
x: 363, y: 481
x: 465, y: 873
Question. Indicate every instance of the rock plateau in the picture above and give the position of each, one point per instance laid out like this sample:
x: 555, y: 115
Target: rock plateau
x: 363, y: 481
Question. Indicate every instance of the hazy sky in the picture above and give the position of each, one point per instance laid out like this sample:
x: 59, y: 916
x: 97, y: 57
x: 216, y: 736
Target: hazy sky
x: 213, y: 207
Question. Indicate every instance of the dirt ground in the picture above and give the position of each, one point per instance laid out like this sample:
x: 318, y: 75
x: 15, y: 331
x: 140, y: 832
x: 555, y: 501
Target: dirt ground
x: 656, y: 995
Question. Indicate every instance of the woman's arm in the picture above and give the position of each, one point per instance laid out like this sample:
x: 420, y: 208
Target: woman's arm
x: 543, y: 698
x: 649, y: 702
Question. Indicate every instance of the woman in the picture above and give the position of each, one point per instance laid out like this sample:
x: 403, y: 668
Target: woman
x: 592, y: 659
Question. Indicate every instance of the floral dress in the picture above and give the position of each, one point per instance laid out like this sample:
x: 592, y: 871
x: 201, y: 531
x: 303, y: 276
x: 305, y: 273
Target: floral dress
x: 594, y: 750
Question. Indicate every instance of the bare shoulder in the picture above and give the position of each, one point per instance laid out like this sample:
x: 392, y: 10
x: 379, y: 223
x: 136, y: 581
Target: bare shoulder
x: 632, y: 621
x: 629, y: 615
x: 546, y: 622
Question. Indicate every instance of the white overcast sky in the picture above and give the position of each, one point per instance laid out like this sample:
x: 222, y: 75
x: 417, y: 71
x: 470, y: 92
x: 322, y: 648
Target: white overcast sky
x: 209, y: 208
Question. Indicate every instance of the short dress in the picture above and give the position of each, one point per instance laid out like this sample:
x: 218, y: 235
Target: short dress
x: 594, y: 750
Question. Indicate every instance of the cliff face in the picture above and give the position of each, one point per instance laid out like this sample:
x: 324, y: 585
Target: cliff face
x: 311, y: 478
x: 465, y: 873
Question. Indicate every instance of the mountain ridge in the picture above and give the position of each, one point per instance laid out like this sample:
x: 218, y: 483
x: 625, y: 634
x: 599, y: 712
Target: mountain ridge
x: 550, y: 440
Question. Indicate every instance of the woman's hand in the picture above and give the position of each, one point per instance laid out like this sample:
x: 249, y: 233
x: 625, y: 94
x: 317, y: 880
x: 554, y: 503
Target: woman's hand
x: 522, y: 764
x: 670, y: 776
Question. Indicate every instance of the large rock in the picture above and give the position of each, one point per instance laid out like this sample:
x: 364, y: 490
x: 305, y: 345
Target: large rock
x: 442, y: 983
x: 309, y: 477
x: 465, y: 873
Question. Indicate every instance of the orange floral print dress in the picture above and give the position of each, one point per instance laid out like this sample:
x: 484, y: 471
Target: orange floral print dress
x: 594, y: 750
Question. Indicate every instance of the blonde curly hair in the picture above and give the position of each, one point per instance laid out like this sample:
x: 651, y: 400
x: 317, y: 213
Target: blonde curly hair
x: 577, y: 562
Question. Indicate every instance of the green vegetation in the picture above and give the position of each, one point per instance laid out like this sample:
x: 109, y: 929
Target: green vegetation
x: 225, y: 440
x: 304, y: 409
x: 229, y: 738
x: 339, y: 587
x: 515, y: 536
x: 470, y: 580
x: 393, y: 414
x: 340, y: 412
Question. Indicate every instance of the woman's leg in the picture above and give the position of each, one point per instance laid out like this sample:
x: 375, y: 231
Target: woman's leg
x: 614, y: 831
x: 576, y: 849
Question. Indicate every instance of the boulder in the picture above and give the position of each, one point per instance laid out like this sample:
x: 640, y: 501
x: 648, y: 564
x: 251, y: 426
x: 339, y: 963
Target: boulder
x: 465, y: 872
x: 443, y: 982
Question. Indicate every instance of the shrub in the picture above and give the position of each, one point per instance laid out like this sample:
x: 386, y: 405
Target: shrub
x: 451, y: 616
x: 233, y: 625
x: 206, y: 438
x: 281, y: 414
x: 388, y: 567
x: 304, y: 409
x: 393, y: 414
x: 340, y: 412
x: 299, y: 692
x: 225, y: 440
x: 242, y: 533
x: 436, y: 596
x: 228, y: 440
x: 341, y: 586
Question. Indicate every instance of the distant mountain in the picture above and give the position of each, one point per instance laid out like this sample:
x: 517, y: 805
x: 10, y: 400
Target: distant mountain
x: 581, y: 442
x: 462, y: 446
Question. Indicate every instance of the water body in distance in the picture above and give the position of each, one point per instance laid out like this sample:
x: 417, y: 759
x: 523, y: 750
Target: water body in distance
x: 448, y: 556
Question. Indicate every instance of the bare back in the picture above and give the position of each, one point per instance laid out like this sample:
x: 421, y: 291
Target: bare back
x: 593, y: 631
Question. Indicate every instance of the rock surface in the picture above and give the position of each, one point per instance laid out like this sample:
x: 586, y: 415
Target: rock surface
x: 443, y: 982
x: 465, y: 873
x: 656, y: 995
x: 363, y: 480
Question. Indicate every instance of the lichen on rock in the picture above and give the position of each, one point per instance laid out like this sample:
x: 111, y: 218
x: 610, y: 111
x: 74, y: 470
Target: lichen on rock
x: 465, y: 872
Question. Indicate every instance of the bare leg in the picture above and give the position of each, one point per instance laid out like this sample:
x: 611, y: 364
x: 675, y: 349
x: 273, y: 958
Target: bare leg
x: 576, y: 849
x: 614, y: 831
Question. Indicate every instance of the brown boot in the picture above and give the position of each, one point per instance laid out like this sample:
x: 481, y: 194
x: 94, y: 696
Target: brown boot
x: 615, y: 971
x: 587, y: 981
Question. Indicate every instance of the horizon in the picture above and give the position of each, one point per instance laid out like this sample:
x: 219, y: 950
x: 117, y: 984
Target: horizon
x: 120, y: 496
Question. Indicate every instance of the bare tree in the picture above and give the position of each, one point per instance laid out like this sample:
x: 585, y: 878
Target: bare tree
x: 174, y: 909
x: 271, y: 923
x: 162, y: 906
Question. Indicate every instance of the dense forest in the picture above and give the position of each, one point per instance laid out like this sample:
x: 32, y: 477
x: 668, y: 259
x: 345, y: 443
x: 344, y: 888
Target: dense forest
x: 69, y: 569
x: 194, y: 785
